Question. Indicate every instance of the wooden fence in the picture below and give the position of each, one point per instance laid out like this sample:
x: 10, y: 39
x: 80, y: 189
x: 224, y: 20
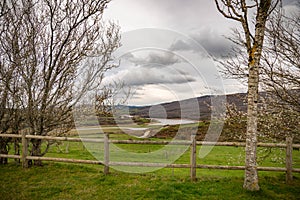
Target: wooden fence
x: 193, y: 152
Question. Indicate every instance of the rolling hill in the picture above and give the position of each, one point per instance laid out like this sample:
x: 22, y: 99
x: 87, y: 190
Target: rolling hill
x: 186, y: 108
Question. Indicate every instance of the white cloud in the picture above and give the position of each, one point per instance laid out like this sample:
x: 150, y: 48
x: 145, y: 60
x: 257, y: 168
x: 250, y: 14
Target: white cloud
x: 177, y: 15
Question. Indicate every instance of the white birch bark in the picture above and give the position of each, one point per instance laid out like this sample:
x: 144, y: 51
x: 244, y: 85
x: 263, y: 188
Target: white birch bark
x: 239, y: 11
x: 251, y: 176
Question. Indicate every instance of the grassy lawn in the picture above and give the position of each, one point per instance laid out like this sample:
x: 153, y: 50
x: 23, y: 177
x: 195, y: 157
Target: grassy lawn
x: 71, y: 181
x: 78, y: 181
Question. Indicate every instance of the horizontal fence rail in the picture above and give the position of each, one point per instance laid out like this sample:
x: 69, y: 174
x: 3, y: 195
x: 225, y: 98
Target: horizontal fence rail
x: 192, y: 165
x: 93, y: 140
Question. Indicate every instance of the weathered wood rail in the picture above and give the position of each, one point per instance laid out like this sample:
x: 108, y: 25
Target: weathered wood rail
x: 193, y: 152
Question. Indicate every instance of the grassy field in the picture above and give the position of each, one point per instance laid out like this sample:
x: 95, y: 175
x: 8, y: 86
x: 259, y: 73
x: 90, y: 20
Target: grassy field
x: 77, y: 181
x: 71, y: 181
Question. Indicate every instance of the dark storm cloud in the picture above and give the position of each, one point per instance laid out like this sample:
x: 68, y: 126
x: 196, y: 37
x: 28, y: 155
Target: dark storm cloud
x: 161, y: 59
x: 180, y: 45
x: 215, y: 44
x: 150, y: 76
x: 150, y: 68
x: 165, y: 59
x: 291, y: 2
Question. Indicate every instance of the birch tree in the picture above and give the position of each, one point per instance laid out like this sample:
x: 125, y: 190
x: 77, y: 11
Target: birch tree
x: 252, y: 38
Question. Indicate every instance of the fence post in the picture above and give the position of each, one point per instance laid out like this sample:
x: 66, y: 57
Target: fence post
x: 106, y: 153
x: 24, y: 150
x: 289, y: 159
x: 193, y: 158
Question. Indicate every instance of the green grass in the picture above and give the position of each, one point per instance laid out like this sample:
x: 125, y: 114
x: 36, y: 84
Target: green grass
x: 78, y: 181
x: 218, y: 156
x: 71, y: 181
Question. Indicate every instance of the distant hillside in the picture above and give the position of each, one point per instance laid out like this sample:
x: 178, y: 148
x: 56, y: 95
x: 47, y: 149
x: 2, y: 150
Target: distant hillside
x: 172, y: 109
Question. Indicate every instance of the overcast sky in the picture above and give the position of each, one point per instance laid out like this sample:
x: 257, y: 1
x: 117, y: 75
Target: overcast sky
x: 166, y: 46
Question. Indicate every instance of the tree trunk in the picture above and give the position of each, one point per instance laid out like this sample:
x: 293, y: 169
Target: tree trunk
x: 17, y: 149
x: 239, y: 11
x: 3, y: 150
x: 36, y: 151
x: 251, y: 176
